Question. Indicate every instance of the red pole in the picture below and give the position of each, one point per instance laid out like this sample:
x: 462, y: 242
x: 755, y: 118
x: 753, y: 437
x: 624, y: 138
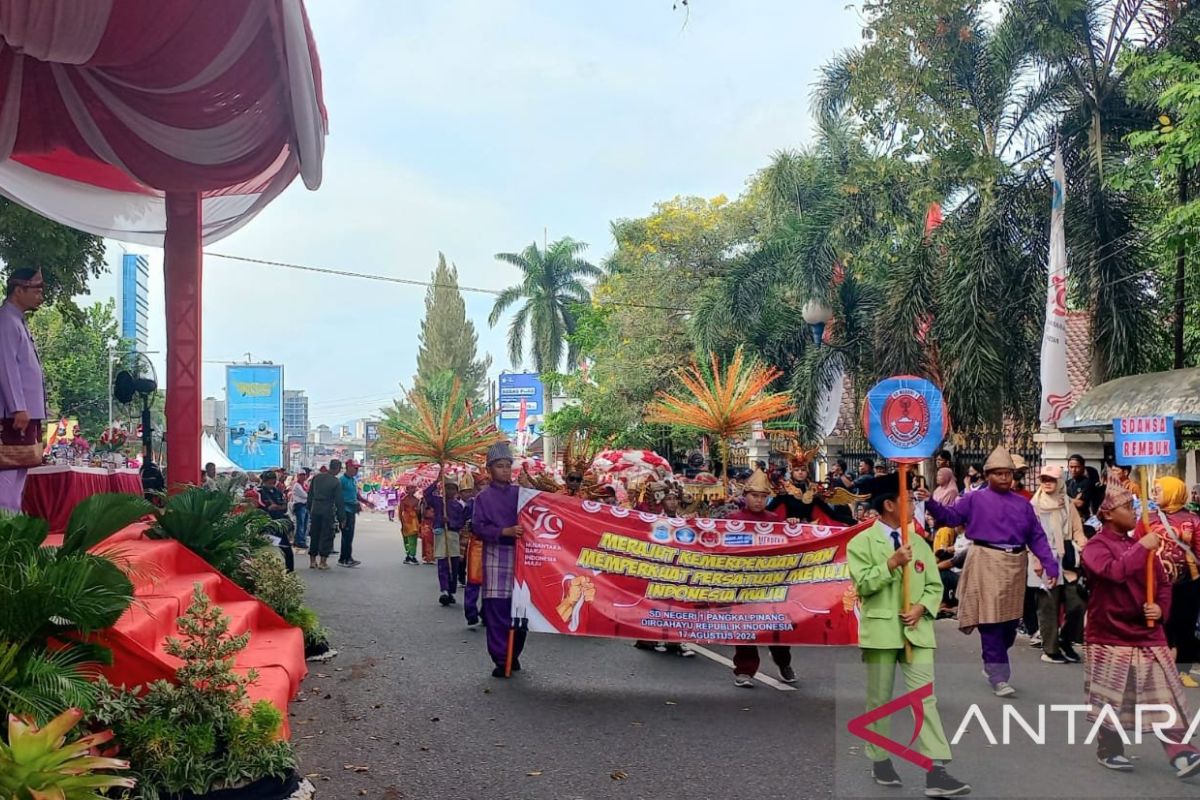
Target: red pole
x: 181, y: 269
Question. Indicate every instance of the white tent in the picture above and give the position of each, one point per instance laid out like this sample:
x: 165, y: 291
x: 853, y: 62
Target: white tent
x: 209, y: 451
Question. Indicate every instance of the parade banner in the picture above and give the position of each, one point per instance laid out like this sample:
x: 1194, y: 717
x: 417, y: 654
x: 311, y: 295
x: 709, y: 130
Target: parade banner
x: 587, y: 569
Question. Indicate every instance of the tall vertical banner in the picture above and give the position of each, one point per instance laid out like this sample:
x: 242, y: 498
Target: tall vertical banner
x: 588, y: 569
x: 254, y: 408
x: 1056, y: 384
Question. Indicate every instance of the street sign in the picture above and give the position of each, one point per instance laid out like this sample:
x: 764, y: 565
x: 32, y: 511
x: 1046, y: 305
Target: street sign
x: 1144, y: 440
x: 905, y: 418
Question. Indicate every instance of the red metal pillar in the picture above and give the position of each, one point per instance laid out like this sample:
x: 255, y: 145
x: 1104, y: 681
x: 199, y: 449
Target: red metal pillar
x: 181, y: 267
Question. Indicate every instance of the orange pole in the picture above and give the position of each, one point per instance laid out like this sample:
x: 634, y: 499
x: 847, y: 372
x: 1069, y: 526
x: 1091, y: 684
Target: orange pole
x: 905, y: 604
x: 508, y: 658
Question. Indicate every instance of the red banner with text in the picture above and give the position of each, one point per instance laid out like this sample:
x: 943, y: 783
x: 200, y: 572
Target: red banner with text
x: 588, y: 569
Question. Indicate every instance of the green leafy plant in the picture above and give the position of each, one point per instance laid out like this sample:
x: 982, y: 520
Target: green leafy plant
x: 316, y: 635
x: 50, y: 594
x: 209, y: 524
x: 202, y: 733
x: 38, y: 763
x: 265, y: 576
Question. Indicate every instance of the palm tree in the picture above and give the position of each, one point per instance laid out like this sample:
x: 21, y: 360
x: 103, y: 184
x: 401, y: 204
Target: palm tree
x: 961, y: 98
x: 551, y: 284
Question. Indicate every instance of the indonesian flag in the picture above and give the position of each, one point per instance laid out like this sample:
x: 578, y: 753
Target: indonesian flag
x: 1056, y: 385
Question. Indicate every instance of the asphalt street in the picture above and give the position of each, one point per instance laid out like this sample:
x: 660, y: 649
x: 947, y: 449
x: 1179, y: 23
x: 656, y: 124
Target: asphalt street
x: 409, y: 710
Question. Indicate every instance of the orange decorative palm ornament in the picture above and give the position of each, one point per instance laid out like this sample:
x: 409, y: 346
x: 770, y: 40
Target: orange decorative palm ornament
x: 722, y: 402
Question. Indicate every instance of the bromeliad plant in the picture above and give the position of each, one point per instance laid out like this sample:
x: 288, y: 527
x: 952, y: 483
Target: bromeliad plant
x: 39, y: 764
x: 49, y: 594
x: 722, y: 402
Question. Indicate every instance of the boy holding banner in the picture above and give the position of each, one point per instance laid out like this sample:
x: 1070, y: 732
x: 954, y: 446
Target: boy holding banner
x: 878, y: 559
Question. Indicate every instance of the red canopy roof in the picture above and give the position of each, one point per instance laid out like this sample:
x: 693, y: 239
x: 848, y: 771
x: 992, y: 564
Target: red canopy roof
x: 105, y: 105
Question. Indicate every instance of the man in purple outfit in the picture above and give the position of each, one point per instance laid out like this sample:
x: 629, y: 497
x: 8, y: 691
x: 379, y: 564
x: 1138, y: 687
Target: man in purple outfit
x: 1003, y: 528
x: 448, y: 520
x: 494, y: 520
x: 22, y: 390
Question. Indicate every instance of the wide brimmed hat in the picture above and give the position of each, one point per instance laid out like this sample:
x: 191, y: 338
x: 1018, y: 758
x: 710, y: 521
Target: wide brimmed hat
x: 999, y: 459
x: 499, y: 452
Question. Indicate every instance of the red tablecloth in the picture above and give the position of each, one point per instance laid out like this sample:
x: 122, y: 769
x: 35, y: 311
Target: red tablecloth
x: 53, y: 492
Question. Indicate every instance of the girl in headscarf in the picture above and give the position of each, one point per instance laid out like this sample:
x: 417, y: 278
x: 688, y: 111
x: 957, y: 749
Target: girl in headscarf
x: 947, y: 491
x: 1129, y: 667
x: 1064, y: 530
x: 1176, y: 526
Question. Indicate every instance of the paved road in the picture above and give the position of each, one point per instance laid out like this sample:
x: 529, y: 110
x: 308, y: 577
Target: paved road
x: 410, y: 702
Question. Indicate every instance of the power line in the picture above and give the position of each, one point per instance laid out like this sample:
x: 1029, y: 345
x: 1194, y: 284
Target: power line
x: 413, y: 282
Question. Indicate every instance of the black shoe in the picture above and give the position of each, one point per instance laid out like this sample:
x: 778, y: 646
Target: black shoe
x: 1054, y: 658
x: 444, y: 599
x: 516, y: 665
x: 498, y: 672
x: 884, y: 773
x: 939, y: 783
x: 452, y: 600
x: 1068, y: 652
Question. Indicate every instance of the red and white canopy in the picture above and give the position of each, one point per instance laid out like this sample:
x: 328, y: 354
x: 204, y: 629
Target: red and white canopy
x: 106, y: 105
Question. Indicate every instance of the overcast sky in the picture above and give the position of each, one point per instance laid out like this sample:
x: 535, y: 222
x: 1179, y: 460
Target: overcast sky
x: 468, y: 127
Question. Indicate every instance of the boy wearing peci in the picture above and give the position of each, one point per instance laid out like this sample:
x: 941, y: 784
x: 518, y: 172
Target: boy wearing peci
x: 877, y: 561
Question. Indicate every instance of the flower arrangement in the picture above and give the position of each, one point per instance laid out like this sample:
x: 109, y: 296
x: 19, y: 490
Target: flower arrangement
x: 112, y: 440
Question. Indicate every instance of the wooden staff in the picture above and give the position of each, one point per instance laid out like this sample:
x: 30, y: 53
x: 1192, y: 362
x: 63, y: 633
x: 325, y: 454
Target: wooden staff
x: 905, y: 605
x: 1149, y: 553
x: 512, y: 632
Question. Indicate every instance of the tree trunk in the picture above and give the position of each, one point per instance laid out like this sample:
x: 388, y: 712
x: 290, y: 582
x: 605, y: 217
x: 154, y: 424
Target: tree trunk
x: 547, y: 439
x: 1180, y: 275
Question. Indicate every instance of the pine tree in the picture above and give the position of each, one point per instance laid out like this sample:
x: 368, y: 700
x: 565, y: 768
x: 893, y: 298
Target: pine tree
x: 447, y: 337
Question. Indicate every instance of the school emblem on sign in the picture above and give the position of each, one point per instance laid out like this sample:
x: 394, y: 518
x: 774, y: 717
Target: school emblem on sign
x: 905, y: 418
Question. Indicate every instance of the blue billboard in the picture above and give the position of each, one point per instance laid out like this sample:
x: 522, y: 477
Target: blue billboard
x: 515, y: 387
x: 254, y: 413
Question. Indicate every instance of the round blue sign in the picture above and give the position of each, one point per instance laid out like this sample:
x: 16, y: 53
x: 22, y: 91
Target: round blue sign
x: 905, y: 418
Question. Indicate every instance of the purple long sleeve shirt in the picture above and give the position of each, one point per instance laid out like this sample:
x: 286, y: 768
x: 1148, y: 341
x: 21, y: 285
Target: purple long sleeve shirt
x: 496, y: 509
x: 1000, y: 518
x: 21, y: 384
x: 452, y: 515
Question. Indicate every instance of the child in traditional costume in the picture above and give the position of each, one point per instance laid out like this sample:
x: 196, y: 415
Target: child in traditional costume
x: 1128, y: 665
x: 494, y: 521
x: 877, y: 560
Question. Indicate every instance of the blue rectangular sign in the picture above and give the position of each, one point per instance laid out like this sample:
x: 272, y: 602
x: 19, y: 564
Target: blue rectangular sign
x: 1144, y: 440
x: 254, y: 410
x: 515, y: 387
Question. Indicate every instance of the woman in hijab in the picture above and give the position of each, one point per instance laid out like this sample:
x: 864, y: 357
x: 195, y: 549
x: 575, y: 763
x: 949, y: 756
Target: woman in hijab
x: 947, y: 491
x: 1064, y: 530
x: 1175, y: 526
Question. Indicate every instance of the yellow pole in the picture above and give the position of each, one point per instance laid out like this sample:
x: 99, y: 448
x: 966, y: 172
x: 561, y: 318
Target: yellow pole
x: 1146, y: 529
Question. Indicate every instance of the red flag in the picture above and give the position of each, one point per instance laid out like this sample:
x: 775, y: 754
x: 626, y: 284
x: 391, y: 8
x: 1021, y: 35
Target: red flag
x: 933, y: 218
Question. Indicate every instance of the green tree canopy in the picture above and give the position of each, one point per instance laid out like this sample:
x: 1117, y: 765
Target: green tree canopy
x: 74, y: 354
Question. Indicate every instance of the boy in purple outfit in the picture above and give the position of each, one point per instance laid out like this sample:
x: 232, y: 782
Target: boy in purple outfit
x: 448, y: 520
x: 494, y: 520
x: 1003, y: 528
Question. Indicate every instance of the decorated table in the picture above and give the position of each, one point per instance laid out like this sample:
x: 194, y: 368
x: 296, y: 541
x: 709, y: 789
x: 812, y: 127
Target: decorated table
x: 52, y: 492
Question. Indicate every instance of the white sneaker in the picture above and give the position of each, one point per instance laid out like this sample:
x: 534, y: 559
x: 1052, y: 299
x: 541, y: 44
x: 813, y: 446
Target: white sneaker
x: 744, y: 681
x: 1003, y: 689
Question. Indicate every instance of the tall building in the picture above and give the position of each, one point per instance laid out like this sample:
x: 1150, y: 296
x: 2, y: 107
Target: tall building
x: 134, y: 300
x: 212, y: 412
x: 295, y: 415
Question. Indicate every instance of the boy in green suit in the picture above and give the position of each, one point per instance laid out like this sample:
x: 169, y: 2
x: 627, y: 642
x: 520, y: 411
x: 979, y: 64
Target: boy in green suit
x: 877, y: 562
